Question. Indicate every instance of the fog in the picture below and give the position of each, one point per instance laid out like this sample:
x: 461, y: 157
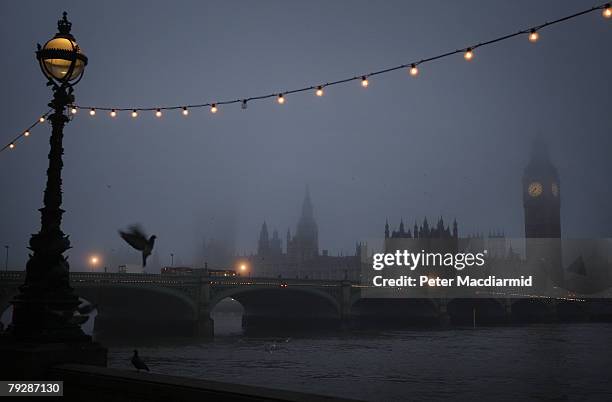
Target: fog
x: 451, y: 142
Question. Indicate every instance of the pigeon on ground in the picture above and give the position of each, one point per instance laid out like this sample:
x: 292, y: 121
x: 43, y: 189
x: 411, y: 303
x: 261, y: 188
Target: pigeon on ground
x: 138, y: 363
x: 136, y: 238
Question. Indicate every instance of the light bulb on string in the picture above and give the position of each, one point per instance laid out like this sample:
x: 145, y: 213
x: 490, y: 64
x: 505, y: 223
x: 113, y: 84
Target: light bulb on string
x: 414, y: 71
x: 469, y: 54
x: 244, y: 104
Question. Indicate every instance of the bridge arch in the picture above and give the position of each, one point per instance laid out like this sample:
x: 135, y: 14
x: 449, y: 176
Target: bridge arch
x: 6, y: 295
x: 94, y: 289
x: 464, y: 311
x: 125, y: 308
x: 237, y: 292
x: 276, y: 307
x: 532, y: 310
x: 394, y: 312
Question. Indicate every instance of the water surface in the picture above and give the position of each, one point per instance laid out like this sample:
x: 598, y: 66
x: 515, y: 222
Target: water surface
x: 536, y: 362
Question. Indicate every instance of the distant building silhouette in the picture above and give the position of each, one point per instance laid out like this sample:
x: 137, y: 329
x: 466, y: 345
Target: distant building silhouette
x: 440, y: 231
x: 267, y: 246
x: 304, y: 245
x: 541, y: 195
x: 301, y: 257
x: 542, y: 207
x: 439, y: 238
x: 217, y: 253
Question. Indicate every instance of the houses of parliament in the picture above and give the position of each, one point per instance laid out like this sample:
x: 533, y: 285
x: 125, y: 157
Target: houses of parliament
x: 301, y: 256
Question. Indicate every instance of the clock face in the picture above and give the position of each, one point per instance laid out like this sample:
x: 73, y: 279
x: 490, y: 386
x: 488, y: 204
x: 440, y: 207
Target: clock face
x: 555, y: 189
x: 535, y: 189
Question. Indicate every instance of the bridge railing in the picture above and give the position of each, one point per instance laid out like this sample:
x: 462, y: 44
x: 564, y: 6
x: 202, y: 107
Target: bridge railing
x: 12, y: 276
x: 273, y: 281
x: 131, y: 278
x: 159, y: 279
x: 107, y: 277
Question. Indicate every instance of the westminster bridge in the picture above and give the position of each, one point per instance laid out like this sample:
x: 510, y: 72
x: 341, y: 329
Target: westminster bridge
x: 182, y: 304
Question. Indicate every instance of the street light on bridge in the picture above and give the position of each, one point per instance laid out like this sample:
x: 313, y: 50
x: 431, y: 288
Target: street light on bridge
x: 46, y: 303
x: 94, y: 260
x: 244, y: 268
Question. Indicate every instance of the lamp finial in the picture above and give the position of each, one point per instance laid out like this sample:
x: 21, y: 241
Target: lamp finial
x: 63, y: 25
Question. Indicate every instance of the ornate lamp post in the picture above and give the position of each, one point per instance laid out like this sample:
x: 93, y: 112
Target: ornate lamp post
x: 44, y: 308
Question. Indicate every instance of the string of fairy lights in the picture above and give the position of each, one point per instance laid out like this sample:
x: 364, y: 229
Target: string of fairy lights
x: 26, y: 133
x: 413, y: 69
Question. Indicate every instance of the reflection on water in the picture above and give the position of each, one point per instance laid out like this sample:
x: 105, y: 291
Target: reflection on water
x: 539, y: 362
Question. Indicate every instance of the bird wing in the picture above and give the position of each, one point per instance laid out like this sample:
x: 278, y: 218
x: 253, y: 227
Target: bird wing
x: 137, y: 230
x: 135, y: 238
x: 86, y: 308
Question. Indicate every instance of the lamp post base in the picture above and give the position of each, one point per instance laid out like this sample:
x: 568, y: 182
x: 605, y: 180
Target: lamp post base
x: 45, y: 318
x: 22, y: 360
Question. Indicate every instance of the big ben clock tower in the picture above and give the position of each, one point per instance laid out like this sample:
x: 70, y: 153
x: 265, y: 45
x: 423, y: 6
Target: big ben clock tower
x: 542, y: 205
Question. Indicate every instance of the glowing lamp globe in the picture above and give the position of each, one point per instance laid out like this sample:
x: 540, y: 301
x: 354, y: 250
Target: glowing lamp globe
x: 61, y: 59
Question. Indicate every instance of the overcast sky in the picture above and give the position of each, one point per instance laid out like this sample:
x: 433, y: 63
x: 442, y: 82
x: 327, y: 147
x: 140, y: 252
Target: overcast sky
x: 452, y: 142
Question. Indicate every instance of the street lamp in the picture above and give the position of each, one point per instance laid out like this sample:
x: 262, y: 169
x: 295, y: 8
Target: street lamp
x: 244, y: 268
x: 94, y: 260
x: 46, y: 303
x: 61, y: 59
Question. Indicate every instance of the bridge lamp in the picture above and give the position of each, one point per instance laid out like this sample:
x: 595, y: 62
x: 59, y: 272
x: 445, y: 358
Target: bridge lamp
x: 244, y: 268
x: 94, y: 260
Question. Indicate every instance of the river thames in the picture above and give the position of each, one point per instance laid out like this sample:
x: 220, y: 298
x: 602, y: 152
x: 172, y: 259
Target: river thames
x: 551, y: 362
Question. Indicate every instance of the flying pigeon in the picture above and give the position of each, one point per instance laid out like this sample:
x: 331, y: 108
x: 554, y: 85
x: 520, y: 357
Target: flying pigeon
x: 86, y: 307
x: 136, y: 238
x: 138, y: 363
x: 79, y: 319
